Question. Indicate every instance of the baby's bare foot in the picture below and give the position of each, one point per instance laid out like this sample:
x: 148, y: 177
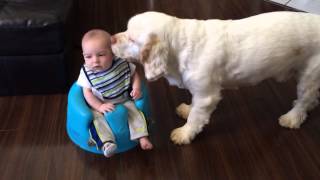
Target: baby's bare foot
x: 145, y: 143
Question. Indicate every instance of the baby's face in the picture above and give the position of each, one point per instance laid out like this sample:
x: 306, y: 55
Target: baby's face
x: 97, y: 54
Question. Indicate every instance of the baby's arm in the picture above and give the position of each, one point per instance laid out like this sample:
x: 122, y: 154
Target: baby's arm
x: 136, y: 86
x: 95, y: 103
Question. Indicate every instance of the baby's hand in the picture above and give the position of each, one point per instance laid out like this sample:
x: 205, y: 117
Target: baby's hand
x: 135, y: 93
x: 106, y: 107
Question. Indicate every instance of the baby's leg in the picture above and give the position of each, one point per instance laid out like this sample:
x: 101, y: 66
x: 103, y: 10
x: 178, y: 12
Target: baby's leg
x: 102, y: 127
x: 106, y: 139
x: 138, y: 126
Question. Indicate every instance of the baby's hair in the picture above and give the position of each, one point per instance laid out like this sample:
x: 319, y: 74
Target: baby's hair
x: 94, y: 33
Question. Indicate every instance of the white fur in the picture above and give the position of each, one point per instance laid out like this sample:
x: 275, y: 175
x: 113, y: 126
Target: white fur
x: 205, y: 56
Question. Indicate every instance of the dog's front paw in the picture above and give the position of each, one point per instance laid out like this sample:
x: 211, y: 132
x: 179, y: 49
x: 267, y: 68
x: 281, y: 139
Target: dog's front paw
x: 183, y: 110
x: 182, y: 135
x: 292, y: 120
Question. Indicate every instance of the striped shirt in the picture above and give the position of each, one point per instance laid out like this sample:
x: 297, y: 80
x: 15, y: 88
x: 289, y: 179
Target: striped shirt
x: 112, y: 82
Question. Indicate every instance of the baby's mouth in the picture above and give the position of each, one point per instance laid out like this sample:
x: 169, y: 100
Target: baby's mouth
x: 96, y: 68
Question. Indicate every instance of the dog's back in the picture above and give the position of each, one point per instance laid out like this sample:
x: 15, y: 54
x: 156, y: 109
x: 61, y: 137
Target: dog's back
x: 271, y: 45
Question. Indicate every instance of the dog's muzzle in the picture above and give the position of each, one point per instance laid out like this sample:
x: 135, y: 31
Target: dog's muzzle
x: 154, y: 78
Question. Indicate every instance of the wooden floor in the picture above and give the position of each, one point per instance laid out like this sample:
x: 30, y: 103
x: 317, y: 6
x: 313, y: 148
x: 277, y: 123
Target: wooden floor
x: 242, y: 141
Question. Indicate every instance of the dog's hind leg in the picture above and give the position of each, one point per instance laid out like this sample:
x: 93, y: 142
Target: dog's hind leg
x: 307, y: 93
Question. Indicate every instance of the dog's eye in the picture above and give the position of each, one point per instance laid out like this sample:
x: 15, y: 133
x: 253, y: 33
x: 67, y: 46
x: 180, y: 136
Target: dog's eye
x: 131, y: 40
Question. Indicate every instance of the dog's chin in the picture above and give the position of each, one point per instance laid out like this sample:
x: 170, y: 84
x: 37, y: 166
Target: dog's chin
x: 154, y: 77
x: 133, y: 60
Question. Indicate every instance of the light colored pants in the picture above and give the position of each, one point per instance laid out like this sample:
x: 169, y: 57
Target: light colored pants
x: 136, y: 121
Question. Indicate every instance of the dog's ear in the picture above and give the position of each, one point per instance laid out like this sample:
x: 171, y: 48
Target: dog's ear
x: 154, y: 57
x: 113, y: 39
x: 147, y: 47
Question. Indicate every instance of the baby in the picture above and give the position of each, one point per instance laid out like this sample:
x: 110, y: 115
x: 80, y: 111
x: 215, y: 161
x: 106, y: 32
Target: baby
x: 107, y: 80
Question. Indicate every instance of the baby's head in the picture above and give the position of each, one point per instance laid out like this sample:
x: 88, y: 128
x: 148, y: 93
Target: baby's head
x: 96, y: 49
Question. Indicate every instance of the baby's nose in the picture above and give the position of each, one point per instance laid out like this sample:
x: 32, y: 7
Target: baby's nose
x: 95, y: 58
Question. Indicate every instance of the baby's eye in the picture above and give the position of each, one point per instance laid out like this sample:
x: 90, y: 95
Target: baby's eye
x: 87, y: 56
x: 101, y: 54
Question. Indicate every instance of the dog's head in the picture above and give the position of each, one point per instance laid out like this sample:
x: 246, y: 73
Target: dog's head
x: 144, y: 42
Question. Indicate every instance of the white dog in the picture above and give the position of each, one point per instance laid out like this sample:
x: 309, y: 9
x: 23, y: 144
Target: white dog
x: 205, y: 56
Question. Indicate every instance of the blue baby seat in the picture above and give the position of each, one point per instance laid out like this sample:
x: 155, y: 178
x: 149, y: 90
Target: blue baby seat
x: 79, y: 117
